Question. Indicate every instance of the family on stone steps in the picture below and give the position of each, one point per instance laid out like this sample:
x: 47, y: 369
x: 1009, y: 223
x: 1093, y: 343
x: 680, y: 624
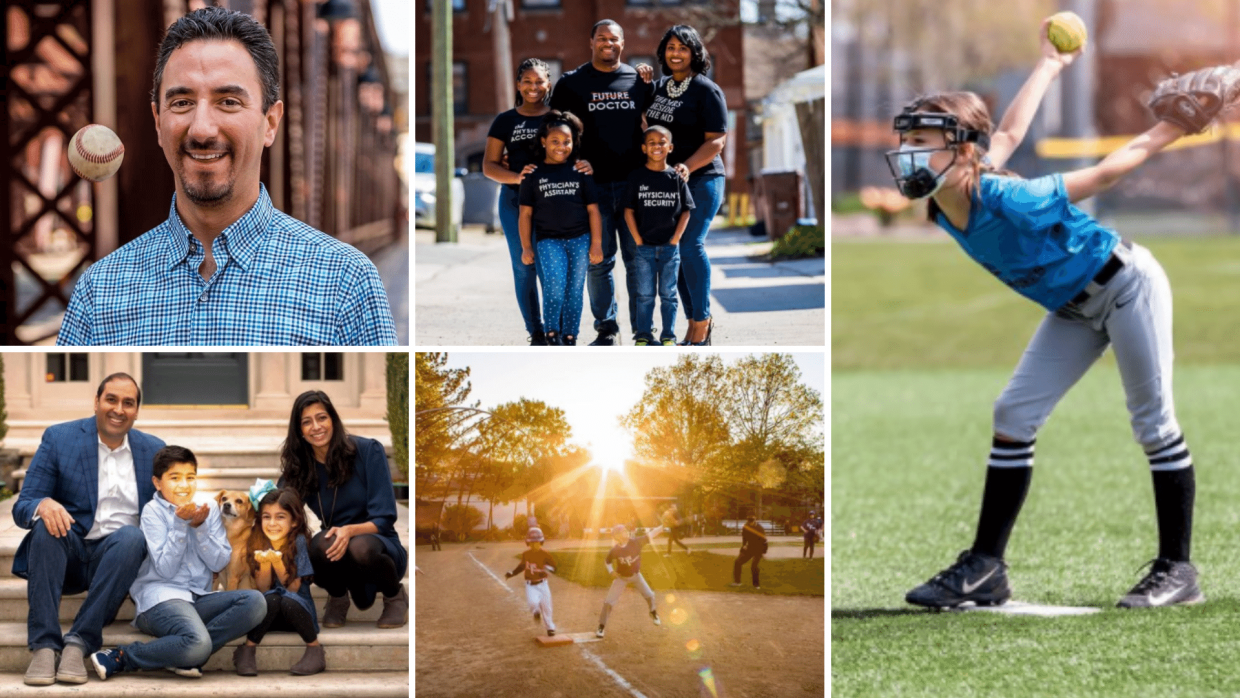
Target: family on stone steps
x: 93, y: 480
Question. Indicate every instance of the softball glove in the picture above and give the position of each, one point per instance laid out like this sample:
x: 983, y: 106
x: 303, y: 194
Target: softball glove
x: 1194, y: 100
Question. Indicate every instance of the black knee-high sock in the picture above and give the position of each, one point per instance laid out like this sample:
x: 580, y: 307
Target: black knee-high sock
x: 1175, y: 489
x: 1007, y: 483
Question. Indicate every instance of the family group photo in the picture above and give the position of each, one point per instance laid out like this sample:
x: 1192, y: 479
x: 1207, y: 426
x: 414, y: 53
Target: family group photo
x: 189, y: 173
x: 635, y: 177
x: 657, y: 540
x: 168, y: 517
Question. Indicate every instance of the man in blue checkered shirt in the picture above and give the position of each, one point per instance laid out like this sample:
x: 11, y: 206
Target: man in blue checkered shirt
x: 226, y: 268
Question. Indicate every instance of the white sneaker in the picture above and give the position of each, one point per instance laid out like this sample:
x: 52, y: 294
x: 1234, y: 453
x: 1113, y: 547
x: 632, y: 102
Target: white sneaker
x: 599, y: 632
x: 655, y: 616
x: 188, y: 672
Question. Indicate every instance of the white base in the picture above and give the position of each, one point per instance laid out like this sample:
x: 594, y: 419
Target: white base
x: 1020, y: 608
x: 584, y: 637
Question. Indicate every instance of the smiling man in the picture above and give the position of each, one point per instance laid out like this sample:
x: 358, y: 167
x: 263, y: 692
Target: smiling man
x: 226, y: 268
x: 83, y: 494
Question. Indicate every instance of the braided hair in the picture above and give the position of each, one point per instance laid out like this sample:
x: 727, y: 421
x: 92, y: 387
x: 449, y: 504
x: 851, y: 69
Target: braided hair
x: 555, y: 119
x: 533, y: 64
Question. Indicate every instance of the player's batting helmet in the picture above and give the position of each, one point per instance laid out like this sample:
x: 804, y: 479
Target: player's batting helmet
x: 534, y: 535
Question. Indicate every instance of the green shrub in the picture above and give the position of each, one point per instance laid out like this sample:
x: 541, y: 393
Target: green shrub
x: 398, y: 408
x: 801, y: 241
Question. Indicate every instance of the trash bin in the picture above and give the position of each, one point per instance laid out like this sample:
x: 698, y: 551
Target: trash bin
x: 481, y: 201
x: 783, y: 200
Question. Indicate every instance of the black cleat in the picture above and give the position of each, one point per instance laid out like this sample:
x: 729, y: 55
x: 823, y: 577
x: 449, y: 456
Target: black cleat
x: 974, y: 577
x: 1167, y: 584
x: 599, y: 632
x: 537, y: 617
x: 550, y: 632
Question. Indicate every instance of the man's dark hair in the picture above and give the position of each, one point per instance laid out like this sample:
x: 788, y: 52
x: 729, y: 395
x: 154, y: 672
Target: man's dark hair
x: 119, y: 376
x: 169, y: 456
x: 687, y: 35
x: 605, y: 22
x: 219, y: 24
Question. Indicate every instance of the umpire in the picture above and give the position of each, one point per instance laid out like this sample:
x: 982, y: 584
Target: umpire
x: 753, y: 547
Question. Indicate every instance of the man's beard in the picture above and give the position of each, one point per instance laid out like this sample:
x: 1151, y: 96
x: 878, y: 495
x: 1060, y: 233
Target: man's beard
x: 206, y: 192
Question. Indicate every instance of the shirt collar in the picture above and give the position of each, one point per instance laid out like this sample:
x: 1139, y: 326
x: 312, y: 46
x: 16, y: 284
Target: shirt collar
x: 242, y: 238
x: 123, y: 447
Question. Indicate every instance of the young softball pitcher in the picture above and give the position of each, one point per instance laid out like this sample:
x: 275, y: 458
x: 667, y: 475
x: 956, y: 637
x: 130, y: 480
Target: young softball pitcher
x: 627, y: 554
x: 1098, y: 289
x: 537, y: 564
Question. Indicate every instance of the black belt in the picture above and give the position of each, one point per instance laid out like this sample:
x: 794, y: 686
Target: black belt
x: 1105, y: 274
x: 533, y: 583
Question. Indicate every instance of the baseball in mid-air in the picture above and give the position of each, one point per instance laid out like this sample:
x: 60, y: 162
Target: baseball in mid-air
x: 1066, y: 31
x: 95, y: 152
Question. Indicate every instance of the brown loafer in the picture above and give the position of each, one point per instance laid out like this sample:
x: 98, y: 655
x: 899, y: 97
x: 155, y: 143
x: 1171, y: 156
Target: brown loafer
x: 245, y: 660
x: 42, y: 670
x: 335, y: 611
x: 395, y: 610
x: 72, y: 667
x: 313, y: 661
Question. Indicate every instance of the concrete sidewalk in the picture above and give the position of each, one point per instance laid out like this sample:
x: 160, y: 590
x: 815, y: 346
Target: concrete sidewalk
x: 464, y: 294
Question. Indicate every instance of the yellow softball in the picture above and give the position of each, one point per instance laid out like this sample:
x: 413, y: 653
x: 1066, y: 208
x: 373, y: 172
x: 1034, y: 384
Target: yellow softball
x: 1066, y: 31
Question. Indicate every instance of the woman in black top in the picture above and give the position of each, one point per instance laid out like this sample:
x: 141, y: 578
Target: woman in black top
x: 694, y: 109
x: 346, y: 482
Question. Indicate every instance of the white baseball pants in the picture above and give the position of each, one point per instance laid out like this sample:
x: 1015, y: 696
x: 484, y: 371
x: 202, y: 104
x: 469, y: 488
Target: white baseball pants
x: 538, y: 596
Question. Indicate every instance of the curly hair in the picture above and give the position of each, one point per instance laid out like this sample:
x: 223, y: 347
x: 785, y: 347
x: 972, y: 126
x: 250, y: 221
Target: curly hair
x: 533, y: 64
x: 556, y: 119
x: 285, y: 498
x: 297, y: 457
x: 688, y: 36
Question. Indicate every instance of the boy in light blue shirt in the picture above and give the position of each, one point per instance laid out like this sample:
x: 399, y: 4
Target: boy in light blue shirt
x: 186, y: 545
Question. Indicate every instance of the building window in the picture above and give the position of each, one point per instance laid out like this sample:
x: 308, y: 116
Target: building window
x: 457, y: 6
x: 540, y: 4
x: 325, y: 366
x: 68, y: 367
x: 460, y: 87
x: 555, y: 67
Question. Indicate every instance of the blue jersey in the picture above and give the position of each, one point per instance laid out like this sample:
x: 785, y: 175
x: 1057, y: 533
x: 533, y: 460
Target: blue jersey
x: 1027, y: 233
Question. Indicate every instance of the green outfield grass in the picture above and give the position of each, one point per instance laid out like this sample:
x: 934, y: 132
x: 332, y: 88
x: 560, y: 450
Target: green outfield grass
x: 908, y: 461
x: 705, y: 572
x: 926, y: 304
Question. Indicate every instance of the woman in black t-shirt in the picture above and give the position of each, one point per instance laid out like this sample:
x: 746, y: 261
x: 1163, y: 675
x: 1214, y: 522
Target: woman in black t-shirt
x: 514, y: 132
x: 694, y: 109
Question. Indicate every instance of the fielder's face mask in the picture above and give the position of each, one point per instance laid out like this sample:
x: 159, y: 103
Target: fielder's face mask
x: 910, y: 166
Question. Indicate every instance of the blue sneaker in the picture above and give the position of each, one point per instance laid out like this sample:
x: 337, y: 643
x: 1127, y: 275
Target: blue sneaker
x: 108, y: 663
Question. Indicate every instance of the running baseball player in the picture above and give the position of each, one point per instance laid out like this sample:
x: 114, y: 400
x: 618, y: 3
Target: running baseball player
x: 537, y: 564
x: 627, y: 554
x: 1098, y: 289
x: 753, y: 547
x: 673, y: 523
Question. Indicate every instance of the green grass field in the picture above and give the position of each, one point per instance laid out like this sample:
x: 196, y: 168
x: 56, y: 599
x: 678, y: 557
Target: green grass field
x: 916, y: 367
x: 705, y: 572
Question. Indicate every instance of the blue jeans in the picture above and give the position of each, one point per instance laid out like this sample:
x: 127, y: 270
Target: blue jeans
x: 694, y: 282
x: 104, y: 568
x: 525, y: 278
x: 656, y: 267
x: 187, y: 634
x: 562, y: 269
x: 602, y: 288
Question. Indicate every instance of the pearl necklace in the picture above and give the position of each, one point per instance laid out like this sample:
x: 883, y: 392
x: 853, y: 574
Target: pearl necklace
x: 675, y: 90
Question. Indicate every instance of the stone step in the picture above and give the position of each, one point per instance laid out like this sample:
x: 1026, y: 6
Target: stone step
x: 356, y: 647
x: 226, y: 684
x: 14, y: 606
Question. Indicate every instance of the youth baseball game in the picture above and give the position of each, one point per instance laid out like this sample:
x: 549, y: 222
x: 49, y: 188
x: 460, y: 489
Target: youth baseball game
x: 1035, y: 240
x: 645, y: 526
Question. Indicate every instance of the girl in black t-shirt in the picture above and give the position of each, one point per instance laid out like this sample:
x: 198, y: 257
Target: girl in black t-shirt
x: 560, y: 203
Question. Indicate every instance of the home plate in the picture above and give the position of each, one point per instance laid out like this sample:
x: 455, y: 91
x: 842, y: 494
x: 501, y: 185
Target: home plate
x: 1020, y: 608
x: 566, y: 639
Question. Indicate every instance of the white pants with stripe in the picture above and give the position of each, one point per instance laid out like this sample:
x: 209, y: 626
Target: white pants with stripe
x: 1131, y: 313
x: 538, y: 596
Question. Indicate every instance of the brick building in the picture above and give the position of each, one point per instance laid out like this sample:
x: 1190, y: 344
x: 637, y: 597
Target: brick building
x: 558, y: 31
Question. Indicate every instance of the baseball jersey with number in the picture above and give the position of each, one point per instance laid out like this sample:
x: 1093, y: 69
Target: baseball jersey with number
x: 536, y: 563
x: 1028, y: 234
x: 628, y: 557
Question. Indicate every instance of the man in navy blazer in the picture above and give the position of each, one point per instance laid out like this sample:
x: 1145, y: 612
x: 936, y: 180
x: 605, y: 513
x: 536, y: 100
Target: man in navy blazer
x: 83, y: 494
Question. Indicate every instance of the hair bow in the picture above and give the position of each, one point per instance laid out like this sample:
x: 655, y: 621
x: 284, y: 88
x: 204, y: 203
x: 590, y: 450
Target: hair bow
x: 259, y: 489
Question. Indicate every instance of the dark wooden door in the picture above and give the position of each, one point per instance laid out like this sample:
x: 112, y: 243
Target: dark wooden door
x: 195, y: 378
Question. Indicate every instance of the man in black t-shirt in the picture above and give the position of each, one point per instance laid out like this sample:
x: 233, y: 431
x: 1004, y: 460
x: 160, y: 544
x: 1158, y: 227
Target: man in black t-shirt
x: 609, y: 97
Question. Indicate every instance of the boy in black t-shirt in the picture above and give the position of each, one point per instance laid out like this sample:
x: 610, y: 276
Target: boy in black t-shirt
x: 657, y: 210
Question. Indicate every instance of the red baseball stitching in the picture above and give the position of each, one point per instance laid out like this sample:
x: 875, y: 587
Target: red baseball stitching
x: 97, y: 159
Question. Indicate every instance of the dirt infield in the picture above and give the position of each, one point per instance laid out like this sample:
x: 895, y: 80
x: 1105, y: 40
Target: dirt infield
x: 473, y: 638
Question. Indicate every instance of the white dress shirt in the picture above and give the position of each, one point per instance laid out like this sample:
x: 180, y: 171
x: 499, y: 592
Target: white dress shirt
x: 118, y: 491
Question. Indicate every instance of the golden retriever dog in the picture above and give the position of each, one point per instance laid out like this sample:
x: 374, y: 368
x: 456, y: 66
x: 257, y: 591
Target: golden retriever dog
x: 239, y: 518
